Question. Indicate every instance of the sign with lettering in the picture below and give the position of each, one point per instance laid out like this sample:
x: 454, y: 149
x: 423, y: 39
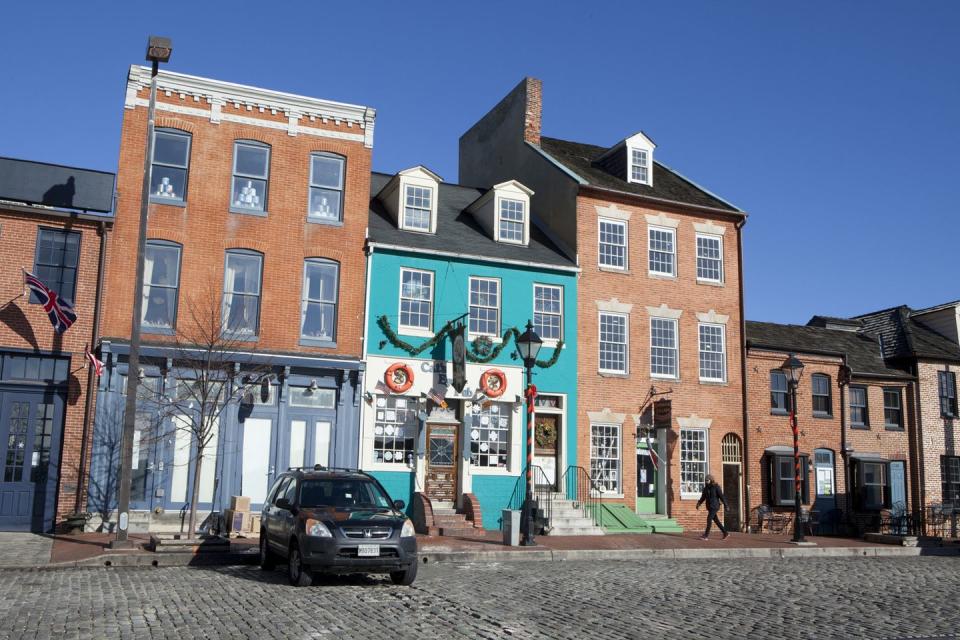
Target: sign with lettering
x: 662, y: 411
x: 459, y: 359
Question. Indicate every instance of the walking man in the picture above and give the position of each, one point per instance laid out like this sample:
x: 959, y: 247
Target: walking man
x: 713, y: 496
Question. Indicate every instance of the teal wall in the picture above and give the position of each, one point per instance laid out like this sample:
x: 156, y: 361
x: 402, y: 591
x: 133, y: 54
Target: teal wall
x: 451, y: 299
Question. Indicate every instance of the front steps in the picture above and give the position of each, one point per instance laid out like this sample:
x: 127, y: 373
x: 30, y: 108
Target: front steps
x: 619, y: 518
x: 660, y: 523
x: 435, y: 518
x: 568, y: 519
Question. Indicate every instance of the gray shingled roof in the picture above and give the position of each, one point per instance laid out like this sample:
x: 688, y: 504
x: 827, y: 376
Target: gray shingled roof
x: 667, y: 184
x: 907, y: 337
x: 862, y: 350
x: 457, y: 230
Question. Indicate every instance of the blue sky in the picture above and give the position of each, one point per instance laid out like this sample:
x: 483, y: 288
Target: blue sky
x: 834, y: 124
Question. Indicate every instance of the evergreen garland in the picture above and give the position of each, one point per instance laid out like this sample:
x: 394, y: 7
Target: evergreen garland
x: 480, y: 352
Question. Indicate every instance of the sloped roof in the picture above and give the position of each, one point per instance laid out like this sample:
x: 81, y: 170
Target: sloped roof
x: 862, y: 350
x: 667, y: 184
x: 457, y: 229
x: 907, y: 337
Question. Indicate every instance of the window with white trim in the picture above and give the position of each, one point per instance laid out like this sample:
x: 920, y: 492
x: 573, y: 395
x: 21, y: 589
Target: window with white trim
x: 713, y: 356
x: 663, y: 250
x: 394, y: 430
x: 418, y: 208
x: 318, y: 311
x: 639, y: 166
x: 171, y: 162
x: 484, y: 307
x: 251, y: 176
x: 326, y: 186
x: 241, y: 292
x: 663, y: 347
x: 161, y: 284
x: 489, y: 434
x: 416, y: 299
x: 548, y: 311
x: 613, y: 343
x: 613, y: 244
x: 693, y: 460
x: 512, y: 220
x: 709, y: 258
x: 605, y: 460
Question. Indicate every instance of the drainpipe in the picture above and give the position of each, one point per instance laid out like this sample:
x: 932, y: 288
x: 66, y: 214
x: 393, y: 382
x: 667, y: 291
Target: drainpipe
x: 745, y: 507
x: 92, y: 381
x: 918, y: 421
x: 844, y: 451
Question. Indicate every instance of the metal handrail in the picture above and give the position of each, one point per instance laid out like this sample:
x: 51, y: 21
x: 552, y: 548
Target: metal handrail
x: 577, y: 486
x: 542, y: 495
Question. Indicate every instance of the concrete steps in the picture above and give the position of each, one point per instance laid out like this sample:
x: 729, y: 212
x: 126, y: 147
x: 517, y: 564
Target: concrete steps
x: 447, y: 522
x: 567, y: 519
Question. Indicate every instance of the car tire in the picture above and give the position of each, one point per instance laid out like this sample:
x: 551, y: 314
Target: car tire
x: 406, y: 577
x: 268, y: 562
x: 298, y: 574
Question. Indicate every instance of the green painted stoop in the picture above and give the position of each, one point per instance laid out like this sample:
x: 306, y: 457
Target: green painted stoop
x: 618, y: 518
x: 660, y: 523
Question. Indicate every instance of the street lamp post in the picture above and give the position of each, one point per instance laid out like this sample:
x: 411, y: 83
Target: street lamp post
x: 793, y: 369
x: 528, y: 345
x: 158, y: 50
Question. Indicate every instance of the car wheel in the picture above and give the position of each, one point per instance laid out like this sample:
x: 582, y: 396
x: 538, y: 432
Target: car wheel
x: 299, y: 575
x: 406, y: 577
x: 267, y: 561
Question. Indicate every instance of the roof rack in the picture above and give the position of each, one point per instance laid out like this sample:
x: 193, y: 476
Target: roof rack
x: 320, y: 467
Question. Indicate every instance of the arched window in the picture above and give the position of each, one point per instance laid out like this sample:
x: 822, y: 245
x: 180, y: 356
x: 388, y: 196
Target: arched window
x: 251, y: 176
x: 161, y: 283
x: 243, y: 275
x: 170, y: 165
x: 318, y: 311
x: 326, y: 187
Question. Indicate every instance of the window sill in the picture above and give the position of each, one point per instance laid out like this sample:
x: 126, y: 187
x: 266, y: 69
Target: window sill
x: 552, y: 344
x: 710, y: 283
x: 777, y: 412
x: 660, y: 376
x: 416, y: 333
x: 690, y: 496
x: 607, y: 269
x: 823, y: 416
x: 157, y: 331
x: 494, y: 339
x: 603, y: 495
x: 249, y: 212
x: 167, y: 201
x: 892, y: 427
x: 317, y: 342
x: 661, y: 276
x: 326, y: 221
x: 612, y: 374
x: 241, y: 338
x: 860, y: 427
x: 714, y: 383
x: 492, y: 471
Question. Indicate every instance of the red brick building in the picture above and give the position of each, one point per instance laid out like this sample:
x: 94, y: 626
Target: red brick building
x: 856, y: 419
x: 659, y: 305
x: 47, y: 227
x: 258, y: 212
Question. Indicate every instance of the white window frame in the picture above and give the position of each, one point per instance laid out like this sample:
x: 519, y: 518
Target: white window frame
x: 619, y: 460
x: 626, y: 343
x: 673, y: 233
x: 550, y: 342
x: 626, y: 244
x: 676, y: 348
x: 470, y: 305
x: 705, y: 434
x: 645, y: 165
x: 523, y: 221
x: 723, y: 351
x: 412, y: 330
x: 719, y: 239
x: 430, y: 210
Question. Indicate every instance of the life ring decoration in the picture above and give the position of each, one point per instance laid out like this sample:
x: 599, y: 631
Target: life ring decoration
x: 399, y: 377
x: 493, y: 383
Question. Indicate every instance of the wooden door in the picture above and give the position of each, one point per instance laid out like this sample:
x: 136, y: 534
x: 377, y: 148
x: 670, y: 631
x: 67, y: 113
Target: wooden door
x: 441, y: 469
x: 731, y: 491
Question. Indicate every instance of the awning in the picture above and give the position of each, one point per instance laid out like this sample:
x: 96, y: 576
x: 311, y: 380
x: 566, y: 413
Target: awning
x: 869, y: 457
x: 780, y: 450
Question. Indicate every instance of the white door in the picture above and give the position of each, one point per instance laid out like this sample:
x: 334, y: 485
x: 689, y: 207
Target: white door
x: 255, y: 474
x: 321, y: 442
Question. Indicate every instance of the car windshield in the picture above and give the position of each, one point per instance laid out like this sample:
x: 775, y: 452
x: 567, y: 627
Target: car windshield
x: 343, y: 492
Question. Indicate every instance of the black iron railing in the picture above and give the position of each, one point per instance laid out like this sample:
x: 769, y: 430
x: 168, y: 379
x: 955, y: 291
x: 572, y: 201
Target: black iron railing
x: 577, y: 486
x: 542, y: 497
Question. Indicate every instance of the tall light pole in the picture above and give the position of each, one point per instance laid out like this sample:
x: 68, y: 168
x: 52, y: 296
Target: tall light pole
x: 793, y: 369
x: 528, y: 345
x: 158, y: 50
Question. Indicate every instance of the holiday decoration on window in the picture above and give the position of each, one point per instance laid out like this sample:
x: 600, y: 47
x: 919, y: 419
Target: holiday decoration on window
x: 399, y: 377
x: 248, y: 198
x: 493, y: 383
x: 165, y: 189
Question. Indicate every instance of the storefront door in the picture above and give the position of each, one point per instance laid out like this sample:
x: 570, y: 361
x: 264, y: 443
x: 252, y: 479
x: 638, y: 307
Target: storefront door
x: 547, y: 450
x: 646, y: 483
x: 441, y: 468
x: 256, y: 465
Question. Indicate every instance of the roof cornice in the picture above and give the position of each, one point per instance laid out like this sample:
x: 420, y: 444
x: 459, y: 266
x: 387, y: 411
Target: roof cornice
x: 372, y: 244
x: 739, y: 215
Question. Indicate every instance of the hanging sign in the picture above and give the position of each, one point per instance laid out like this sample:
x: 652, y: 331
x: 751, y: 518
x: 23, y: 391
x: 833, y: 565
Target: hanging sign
x: 662, y: 411
x: 459, y: 359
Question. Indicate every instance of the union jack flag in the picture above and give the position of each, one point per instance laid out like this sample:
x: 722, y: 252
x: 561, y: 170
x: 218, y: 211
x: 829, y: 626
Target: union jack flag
x: 60, y: 311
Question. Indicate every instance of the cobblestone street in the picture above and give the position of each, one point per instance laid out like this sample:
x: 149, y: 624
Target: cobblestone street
x: 830, y: 598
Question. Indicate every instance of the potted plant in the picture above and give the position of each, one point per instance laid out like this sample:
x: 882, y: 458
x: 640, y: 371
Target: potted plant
x: 76, y: 522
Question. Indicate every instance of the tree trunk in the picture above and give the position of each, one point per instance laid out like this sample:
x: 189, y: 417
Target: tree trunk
x: 195, y: 494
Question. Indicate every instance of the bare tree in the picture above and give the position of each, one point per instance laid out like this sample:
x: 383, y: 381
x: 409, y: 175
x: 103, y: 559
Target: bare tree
x: 213, y: 376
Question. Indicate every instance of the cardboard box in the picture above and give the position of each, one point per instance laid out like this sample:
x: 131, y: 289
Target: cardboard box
x: 255, y: 523
x: 239, y: 503
x: 236, y: 521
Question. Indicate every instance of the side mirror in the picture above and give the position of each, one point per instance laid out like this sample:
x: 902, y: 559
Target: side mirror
x: 283, y: 503
x: 399, y: 505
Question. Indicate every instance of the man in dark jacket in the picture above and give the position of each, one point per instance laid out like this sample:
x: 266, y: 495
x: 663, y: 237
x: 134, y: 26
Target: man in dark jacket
x: 713, y: 496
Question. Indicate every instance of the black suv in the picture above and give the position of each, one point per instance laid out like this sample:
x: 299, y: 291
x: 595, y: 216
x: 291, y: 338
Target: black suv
x: 336, y: 521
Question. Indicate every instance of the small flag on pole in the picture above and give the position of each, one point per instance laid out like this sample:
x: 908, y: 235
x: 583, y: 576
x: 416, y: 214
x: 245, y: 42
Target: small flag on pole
x: 60, y: 311
x: 437, y: 394
x: 97, y: 365
x: 382, y: 388
x: 654, y: 458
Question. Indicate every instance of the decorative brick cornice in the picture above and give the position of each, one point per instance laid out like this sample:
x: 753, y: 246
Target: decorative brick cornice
x: 712, y: 317
x: 606, y: 416
x: 612, y: 212
x: 662, y: 220
x: 709, y: 228
x: 614, y: 306
x: 693, y: 421
x: 663, y: 311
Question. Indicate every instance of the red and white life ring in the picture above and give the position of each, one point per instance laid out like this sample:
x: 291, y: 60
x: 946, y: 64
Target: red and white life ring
x: 399, y: 377
x: 493, y: 383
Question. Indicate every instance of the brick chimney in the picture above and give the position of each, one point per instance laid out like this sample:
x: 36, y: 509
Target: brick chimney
x: 533, y: 89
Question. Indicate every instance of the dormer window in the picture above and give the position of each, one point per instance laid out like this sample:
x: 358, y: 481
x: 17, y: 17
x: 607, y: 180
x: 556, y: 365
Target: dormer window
x: 512, y: 220
x: 639, y: 166
x: 417, y: 207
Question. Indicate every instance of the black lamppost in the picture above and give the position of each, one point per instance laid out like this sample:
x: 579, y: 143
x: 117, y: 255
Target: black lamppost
x: 792, y: 368
x: 158, y: 50
x: 528, y: 346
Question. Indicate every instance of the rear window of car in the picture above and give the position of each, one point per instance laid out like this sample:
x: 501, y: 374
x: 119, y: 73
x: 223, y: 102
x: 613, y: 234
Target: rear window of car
x: 342, y: 492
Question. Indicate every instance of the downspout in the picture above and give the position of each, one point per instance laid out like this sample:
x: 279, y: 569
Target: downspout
x: 844, y: 452
x: 745, y: 507
x: 918, y: 421
x: 92, y: 381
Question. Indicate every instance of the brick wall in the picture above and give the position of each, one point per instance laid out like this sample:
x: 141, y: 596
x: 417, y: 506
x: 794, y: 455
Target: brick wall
x: 940, y: 436
x: 719, y: 402
x: 206, y: 228
x: 26, y: 326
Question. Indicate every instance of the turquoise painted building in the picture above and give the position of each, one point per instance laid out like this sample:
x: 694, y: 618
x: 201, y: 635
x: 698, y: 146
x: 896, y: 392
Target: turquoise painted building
x: 443, y: 255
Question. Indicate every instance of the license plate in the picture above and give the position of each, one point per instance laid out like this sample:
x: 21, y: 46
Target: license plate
x: 368, y: 550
